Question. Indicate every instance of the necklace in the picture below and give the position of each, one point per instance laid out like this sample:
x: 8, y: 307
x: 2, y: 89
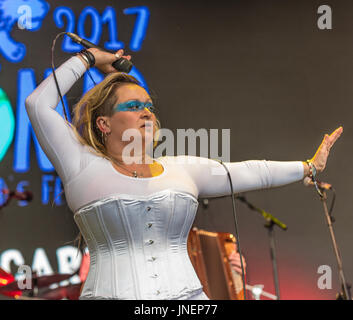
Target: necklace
x: 134, y: 173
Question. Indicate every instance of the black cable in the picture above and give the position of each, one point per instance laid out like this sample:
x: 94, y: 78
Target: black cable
x: 56, y: 80
x: 236, y: 226
x: 90, y: 75
x: 332, y: 202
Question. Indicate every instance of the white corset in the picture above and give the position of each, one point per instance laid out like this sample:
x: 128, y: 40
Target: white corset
x: 138, y: 246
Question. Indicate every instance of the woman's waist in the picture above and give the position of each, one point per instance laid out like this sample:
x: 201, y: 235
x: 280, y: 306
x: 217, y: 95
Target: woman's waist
x: 141, y: 275
x: 143, y: 252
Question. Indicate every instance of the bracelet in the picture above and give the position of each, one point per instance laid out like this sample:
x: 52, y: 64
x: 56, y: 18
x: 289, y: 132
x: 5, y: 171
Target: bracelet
x: 84, y: 58
x: 89, y: 57
x: 312, y: 175
x: 312, y: 170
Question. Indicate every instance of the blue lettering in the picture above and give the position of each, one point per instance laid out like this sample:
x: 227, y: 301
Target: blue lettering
x: 96, y: 29
x: 21, y: 188
x: 109, y: 17
x: 46, y: 188
x: 26, y: 84
x: 58, y: 191
x: 140, y: 28
x: 67, y: 45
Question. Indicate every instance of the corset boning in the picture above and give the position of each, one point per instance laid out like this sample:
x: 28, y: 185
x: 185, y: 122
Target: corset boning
x: 138, y: 246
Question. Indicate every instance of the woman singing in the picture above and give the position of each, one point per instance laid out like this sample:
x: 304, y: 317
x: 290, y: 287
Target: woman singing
x: 135, y: 216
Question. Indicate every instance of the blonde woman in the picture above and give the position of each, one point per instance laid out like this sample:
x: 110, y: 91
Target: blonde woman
x: 135, y: 217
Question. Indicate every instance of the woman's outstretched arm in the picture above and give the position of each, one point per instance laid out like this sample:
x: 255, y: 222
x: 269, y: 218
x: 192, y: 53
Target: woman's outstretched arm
x: 211, y: 177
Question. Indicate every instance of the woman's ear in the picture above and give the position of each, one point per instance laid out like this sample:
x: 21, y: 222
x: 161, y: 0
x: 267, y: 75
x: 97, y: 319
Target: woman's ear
x: 103, y: 124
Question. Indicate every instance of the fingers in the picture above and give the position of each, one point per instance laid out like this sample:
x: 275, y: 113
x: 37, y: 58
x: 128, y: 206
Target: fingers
x: 238, y: 270
x: 120, y: 54
x: 335, y: 135
x: 332, y: 138
x: 234, y: 259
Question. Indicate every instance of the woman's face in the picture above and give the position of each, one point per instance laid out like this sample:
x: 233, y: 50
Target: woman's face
x: 127, y: 115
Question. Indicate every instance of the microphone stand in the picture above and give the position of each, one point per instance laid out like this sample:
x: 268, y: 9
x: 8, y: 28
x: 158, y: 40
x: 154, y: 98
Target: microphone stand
x: 271, y: 221
x: 346, y: 293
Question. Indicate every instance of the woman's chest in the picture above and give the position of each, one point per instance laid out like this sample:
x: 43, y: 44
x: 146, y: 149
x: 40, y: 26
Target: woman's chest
x: 101, y: 180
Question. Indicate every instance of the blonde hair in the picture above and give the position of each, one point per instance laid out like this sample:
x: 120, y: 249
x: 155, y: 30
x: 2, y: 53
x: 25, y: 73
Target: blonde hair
x: 99, y: 101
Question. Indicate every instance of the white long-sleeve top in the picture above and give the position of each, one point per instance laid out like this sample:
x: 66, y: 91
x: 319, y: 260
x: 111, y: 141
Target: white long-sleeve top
x: 136, y: 229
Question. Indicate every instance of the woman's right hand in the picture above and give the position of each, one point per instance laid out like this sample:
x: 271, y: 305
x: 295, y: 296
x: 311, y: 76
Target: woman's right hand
x: 105, y: 59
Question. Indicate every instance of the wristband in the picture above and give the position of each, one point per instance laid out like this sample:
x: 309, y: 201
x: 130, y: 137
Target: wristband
x: 312, y: 175
x: 84, y: 58
x: 89, y: 57
x: 312, y: 170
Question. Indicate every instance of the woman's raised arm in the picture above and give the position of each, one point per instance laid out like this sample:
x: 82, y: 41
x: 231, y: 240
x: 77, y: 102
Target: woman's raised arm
x: 54, y: 134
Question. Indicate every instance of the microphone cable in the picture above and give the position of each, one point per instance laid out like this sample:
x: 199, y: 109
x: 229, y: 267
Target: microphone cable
x: 54, y: 75
x: 236, y: 226
x: 332, y: 204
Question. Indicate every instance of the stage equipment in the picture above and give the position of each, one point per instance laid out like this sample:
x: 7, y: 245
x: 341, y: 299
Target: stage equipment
x: 271, y: 221
x: 321, y: 191
x: 70, y: 292
x: 5, y: 279
x: 37, y: 282
x: 208, y: 252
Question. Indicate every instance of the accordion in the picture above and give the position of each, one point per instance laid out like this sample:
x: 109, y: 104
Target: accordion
x: 208, y: 252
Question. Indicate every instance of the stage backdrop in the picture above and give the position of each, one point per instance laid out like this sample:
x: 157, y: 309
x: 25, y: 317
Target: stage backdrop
x: 278, y: 74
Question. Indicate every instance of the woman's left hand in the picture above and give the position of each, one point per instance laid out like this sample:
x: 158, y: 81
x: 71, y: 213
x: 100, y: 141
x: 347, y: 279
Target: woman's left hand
x: 320, y: 158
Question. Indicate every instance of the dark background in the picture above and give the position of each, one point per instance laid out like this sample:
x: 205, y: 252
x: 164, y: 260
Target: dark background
x: 262, y: 69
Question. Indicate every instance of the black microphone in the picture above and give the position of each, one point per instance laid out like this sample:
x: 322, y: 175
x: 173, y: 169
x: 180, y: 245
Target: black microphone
x: 121, y: 64
x: 322, y: 185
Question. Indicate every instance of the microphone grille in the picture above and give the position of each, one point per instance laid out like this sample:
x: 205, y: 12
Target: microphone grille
x: 122, y: 65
